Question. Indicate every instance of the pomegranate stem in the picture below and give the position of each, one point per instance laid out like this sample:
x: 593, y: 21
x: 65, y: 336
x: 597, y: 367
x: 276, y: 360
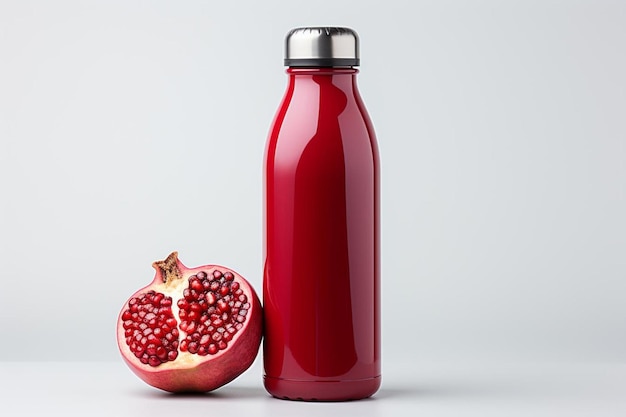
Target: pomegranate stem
x: 168, y: 268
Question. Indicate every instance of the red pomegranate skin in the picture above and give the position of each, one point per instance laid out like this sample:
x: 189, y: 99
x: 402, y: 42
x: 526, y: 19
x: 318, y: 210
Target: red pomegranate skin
x: 192, y: 372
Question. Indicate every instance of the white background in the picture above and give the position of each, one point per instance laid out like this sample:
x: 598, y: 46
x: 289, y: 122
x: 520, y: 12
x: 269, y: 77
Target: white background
x: 129, y: 129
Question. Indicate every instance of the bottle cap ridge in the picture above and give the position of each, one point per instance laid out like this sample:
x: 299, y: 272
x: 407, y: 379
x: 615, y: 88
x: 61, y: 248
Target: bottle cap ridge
x: 322, y: 47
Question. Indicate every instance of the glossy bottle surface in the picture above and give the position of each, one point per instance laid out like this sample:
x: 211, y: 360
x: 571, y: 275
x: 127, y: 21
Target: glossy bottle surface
x: 321, y: 279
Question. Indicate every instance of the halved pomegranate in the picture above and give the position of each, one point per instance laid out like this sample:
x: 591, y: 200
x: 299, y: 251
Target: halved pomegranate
x: 191, y: 329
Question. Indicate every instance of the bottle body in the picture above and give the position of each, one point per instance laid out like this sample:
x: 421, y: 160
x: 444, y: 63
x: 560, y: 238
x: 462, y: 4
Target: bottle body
x: 321, y: 284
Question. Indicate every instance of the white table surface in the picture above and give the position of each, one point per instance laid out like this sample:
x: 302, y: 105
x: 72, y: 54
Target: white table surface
x: 418, y: 389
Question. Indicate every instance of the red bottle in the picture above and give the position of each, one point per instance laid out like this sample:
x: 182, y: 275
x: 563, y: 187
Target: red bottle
x: 321, y: 286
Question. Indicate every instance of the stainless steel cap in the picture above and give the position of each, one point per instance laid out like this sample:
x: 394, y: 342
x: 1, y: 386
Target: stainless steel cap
x: 322, y: 47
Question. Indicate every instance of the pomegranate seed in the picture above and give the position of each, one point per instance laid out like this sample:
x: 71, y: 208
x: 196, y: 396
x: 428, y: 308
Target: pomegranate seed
x: 243, y: 312
x: 147, y: 331
x: 128, y: 324
x: 166, y: 302
x: 184, y: 325
x: 193, y: 315
x: 202, y: 351
x: 242, y: 298
x: 228, y: 276
x: 195, y: 337
x: 187, y: 294
x: 193, y: 347
x: 212, y: 349
x: 246, y: 306
x: 205, y: 339
x: 126, y: 315
x: 182, y: 304
x: 183, y: 345
x: 158, y: 332
x: 144, y: 359
x: 182, y: 314
x: 171, y: 322
x: 154, y: 361
x: 133, y: 301
x: 172, y: 354
x: 175, y: 344
x: 222, y: 345
x: 196, y: 307
x: 210, y: 298
x: 216, y: 337
x: 169, y: 337
x: 201, y: 275
x: 190, y: 328
x: 224, y: 290
x: 217, y: 274
x: 227, y: 336
x: 157, y: 299
x: 128, y: 332
x: 151, y: 349
x: 175, y: 332
x: 144, y: 340
x: 206, y: 284
x: 215, y: 285
x: 234, y: 286
x: 161, y: 353
x: 217, y: 322
x: 149, y: 316
x: 196, y: 285
x: 222, y: 306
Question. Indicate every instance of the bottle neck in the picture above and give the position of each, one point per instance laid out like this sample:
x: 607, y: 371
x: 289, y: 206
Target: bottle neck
x: 343, y: 78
